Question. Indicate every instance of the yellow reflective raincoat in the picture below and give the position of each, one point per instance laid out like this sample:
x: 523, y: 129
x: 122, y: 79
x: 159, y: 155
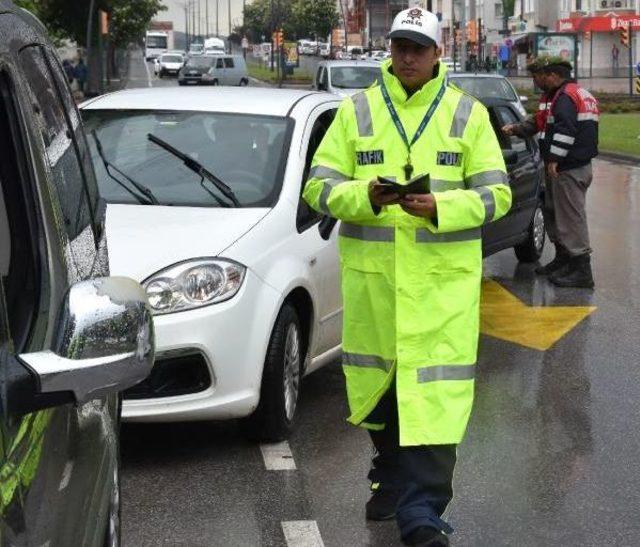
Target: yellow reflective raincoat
x: 411, y: 286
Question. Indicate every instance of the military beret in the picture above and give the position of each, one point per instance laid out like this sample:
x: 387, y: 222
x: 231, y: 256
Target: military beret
x: 547, y: 63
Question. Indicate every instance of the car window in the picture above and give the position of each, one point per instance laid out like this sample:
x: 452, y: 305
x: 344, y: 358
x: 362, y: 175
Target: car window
x: 200, y: 62
x: 78, y: 132
x: 354, y: 77
x: 246, y: 151
x: 58, y: 140
x: 171, y: 58
x: 485, y: 88
x: 228, y: 62
x: 507, y: 116
x: 306, y: 215
x: 219, y: 63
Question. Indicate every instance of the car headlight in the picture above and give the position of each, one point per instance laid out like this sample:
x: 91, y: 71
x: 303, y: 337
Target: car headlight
x: 193, y: 284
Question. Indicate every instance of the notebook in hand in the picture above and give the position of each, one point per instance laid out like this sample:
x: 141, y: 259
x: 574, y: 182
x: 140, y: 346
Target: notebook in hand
x: 417, y: 185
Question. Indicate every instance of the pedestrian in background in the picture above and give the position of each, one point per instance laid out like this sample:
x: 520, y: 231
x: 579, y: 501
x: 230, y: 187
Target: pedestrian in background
x: 567, y: 128
x: 615, y: 53
x: 80, y: 74
x: 411, y: 268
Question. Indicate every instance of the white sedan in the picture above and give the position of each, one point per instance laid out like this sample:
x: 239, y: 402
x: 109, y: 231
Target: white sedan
x: 204, y: 208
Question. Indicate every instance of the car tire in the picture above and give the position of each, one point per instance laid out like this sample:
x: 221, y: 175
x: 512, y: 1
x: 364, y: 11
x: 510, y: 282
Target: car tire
x: 244, y: 82
x: 181, y: 83
x: 215, y: 82
x: 273, y: 420
x: 531, y: 249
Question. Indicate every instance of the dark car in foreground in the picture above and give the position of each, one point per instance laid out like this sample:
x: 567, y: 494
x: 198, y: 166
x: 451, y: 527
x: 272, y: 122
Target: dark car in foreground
x: 194, y: 68
x: 488, y: 86
x: 71, y: 337
x: 523, y: 227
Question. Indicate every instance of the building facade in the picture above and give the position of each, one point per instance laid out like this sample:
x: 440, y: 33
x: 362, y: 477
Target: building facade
x: 597, y: 24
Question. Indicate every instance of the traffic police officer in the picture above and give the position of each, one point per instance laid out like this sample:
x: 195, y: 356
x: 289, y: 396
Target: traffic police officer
x: 567, y: 127
x: 411, y: 268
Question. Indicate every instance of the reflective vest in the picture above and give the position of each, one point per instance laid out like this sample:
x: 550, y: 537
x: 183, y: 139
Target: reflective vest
x: 411, y: 286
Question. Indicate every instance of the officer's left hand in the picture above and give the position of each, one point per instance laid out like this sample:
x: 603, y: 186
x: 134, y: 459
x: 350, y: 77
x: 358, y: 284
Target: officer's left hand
x: 552, y: 169
x: 419, y: 205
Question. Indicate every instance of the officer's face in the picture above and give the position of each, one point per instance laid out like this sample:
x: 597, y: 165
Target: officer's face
x: 413, y: 63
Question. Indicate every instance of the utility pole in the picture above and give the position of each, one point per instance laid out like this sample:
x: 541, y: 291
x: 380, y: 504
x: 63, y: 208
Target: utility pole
x: 186, y: 28
x: 217, y: 10
x: 206, y: 15
x: 229, y: 12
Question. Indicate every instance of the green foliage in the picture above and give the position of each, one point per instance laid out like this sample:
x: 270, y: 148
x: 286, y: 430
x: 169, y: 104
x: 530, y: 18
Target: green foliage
x: 68, y: 18
x: 298, y: 18
x: 507, y: 7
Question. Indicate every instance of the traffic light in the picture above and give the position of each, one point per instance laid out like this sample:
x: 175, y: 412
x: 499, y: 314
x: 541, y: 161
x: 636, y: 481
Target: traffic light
x: 624, y: 35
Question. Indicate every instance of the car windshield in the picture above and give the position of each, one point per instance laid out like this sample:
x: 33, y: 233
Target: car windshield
x: 246, y: 152
x: 485, y: 88
x: 157, y: 41
x: 200, y: 62
x: 354, y: 77
x: 171, y: 59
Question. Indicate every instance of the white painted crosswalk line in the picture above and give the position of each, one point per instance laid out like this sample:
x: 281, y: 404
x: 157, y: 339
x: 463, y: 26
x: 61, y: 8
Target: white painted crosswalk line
x: 302, y: 533
x: 277, y: 456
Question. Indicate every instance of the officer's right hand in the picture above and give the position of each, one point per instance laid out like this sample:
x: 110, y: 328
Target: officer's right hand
x: 509, y: 129
x: 379, y: 197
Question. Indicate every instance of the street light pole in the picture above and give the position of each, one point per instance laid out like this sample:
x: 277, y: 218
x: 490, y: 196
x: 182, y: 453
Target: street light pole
x: 206, y: 21
x: 229, y: 13
x: 217, y: 10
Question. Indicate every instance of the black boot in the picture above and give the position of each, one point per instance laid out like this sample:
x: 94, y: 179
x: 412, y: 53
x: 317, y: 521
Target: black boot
x: 561, y: 258
x: 425, y: 536
x: 382, y: 503
x: 577, y: 273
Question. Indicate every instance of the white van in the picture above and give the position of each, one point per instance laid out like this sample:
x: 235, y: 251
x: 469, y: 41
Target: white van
x: 227, y: 70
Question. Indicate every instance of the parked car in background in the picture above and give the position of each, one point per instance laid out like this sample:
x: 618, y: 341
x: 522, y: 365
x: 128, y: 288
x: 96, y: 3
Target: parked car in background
x: 227, y: 70
x: 71, y: 337
x: 245, y: 290
x: 195, y: 49
x: 324, y: 50
x: 194, y: 68
x: 169, y: 64
x: 488, y: 86
x: 345, y: 77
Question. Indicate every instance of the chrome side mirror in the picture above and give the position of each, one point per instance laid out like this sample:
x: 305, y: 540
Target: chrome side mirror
x: 523, y: 98
x: 104, y: 341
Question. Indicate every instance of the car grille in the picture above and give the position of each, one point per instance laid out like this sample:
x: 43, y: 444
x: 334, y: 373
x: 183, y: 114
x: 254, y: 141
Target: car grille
x: 172, y: 376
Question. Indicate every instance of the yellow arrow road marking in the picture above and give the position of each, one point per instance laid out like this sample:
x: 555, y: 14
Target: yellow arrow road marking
x: 504, y: 316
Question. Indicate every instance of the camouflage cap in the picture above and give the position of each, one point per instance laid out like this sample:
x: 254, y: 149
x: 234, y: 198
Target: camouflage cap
x: 547, y: 63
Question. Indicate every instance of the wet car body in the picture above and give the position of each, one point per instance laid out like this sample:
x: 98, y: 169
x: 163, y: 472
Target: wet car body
x: 60, y: 366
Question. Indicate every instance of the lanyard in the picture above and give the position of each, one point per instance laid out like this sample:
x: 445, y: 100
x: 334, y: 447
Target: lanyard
x: 408, y: 168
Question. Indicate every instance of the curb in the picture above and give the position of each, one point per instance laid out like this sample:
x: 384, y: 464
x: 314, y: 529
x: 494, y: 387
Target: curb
x: 616, y: 156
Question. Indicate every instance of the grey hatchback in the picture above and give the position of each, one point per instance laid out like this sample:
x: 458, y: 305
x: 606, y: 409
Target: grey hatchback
x: 70, y: 336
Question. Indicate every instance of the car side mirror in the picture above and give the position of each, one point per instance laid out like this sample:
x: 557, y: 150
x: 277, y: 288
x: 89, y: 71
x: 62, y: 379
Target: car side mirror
x: 510, y: 157
x: 523, y: 98
x: 103, y: 343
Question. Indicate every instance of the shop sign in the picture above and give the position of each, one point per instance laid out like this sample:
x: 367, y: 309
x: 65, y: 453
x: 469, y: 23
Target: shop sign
x: 608, y: 23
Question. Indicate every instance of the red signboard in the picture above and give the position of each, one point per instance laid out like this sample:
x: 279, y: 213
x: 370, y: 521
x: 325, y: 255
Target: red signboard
x: 608, y: 23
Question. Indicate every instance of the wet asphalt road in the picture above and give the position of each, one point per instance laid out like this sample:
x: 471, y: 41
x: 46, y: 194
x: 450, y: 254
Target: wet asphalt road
x: 551, y: 455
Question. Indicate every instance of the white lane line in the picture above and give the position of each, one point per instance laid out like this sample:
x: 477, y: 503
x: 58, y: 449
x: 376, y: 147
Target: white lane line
x: 146, y: 67
x: 278, y: 456
x: 302, y: 533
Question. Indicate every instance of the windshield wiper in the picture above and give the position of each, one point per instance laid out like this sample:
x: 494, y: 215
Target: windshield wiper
x: 150, y: 198
x: 197, y: 168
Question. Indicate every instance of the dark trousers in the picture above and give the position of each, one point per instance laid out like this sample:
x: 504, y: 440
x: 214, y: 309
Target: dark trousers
x: 422, y: 474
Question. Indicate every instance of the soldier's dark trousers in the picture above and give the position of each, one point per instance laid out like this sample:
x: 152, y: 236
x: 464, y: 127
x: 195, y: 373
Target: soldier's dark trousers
x: 422, y: 475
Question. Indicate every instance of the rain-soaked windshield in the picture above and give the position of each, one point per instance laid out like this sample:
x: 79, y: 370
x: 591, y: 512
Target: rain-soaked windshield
x: 354, y: 77
x: 246, y: 152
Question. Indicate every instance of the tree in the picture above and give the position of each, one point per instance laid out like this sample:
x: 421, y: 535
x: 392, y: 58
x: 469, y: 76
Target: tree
x: 317, y: 18
x: 68, y: 18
